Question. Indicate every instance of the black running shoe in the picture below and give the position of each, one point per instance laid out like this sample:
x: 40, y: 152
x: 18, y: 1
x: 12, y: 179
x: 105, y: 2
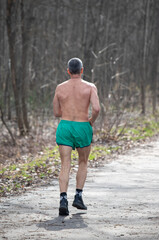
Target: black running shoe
x: 63, y: 209
x: 78, y: 202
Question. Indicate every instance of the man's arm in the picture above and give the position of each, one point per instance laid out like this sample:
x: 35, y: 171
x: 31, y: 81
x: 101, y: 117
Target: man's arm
x: 94, y: 100
x: 56, y: 105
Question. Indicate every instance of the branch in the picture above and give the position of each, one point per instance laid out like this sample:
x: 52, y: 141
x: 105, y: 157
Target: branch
x: 8, y: 129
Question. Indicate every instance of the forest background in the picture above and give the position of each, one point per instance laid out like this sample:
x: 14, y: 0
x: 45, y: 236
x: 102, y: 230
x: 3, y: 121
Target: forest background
x: 118, y: 42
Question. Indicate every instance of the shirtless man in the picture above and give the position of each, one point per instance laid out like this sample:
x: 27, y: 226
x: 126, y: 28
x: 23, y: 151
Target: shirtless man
x: 71, y: 103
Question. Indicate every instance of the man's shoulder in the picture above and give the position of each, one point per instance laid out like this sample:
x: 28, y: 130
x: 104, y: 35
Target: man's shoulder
x: 61, y: 85
x: 88, y: 83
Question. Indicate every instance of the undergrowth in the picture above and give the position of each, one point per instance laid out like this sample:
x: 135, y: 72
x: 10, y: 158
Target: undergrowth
x: 46, y: 165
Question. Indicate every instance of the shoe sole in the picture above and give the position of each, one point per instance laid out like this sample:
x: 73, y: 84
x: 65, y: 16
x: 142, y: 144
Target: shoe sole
x: 63, y: 211
x: 78, y: 206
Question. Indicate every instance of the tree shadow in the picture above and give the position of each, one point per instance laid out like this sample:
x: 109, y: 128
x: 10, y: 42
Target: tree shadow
x: 74, y: 221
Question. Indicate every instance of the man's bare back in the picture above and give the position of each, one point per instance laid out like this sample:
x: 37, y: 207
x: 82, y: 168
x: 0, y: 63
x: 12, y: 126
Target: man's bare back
x: 72, y: 99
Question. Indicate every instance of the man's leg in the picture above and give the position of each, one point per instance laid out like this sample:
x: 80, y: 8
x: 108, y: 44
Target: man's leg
x: 65, y: 154
x: 82, y: 166
x: 81, y: 176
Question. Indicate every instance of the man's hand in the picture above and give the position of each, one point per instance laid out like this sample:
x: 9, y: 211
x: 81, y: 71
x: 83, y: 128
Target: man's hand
x: 90, y: 121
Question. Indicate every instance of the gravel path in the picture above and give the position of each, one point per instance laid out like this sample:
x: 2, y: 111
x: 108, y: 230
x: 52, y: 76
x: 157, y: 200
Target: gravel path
x: 122, y: 199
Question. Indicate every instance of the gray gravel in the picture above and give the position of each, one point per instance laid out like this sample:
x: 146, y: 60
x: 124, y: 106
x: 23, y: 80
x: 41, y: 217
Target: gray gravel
x: 122, y: 199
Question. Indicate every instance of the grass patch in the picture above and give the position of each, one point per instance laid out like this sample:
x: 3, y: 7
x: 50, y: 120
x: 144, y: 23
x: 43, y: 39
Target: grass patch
x: 20, y: 176
x: 143, y: 129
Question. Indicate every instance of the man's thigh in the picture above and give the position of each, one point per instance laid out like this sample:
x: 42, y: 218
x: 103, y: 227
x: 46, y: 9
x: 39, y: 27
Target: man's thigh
x: 65, y: 153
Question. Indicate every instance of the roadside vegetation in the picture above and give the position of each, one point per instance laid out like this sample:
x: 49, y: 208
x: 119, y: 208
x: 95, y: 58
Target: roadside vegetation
x: 38, y: 169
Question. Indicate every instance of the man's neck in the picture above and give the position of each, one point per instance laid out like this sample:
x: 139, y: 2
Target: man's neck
x: 76, y: 77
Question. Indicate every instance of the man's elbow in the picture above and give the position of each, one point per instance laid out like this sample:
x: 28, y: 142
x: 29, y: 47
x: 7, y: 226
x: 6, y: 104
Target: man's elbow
x: 57, y: 114
x: 97, y: 110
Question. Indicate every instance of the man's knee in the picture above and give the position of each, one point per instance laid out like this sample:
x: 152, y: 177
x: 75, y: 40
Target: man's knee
x: 83, y: 160
x: 65, y: 167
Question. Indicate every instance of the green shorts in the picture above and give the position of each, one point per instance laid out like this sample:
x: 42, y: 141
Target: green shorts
x: 74, y: 134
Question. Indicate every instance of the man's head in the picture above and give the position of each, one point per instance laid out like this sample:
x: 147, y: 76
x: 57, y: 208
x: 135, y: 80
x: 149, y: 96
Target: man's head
x: 75, y: 66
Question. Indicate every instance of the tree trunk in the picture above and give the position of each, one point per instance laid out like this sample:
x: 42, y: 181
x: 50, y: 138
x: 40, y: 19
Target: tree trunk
x: 24, y: 62
x: 10, y: 4
x: 7, y: 109
x: 144, y: 78
x: 142, y: 97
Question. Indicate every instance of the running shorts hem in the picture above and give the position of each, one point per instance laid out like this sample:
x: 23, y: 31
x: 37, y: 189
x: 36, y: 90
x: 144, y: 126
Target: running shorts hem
x: 59, y: 144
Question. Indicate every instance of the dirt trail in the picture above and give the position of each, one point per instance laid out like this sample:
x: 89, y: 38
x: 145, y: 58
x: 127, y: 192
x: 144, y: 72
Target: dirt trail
x: 122, y: 199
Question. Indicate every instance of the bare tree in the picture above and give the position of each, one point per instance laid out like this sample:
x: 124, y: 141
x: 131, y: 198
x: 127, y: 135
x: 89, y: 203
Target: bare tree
x: 11, y: 7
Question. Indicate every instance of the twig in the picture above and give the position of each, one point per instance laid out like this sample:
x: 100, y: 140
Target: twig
x: 8, y: 129
x: 121, y: 132
x: 104, y: 49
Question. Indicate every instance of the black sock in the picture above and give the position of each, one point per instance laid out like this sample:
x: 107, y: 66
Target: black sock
x: 63, y: 195
x: 79, y: 191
